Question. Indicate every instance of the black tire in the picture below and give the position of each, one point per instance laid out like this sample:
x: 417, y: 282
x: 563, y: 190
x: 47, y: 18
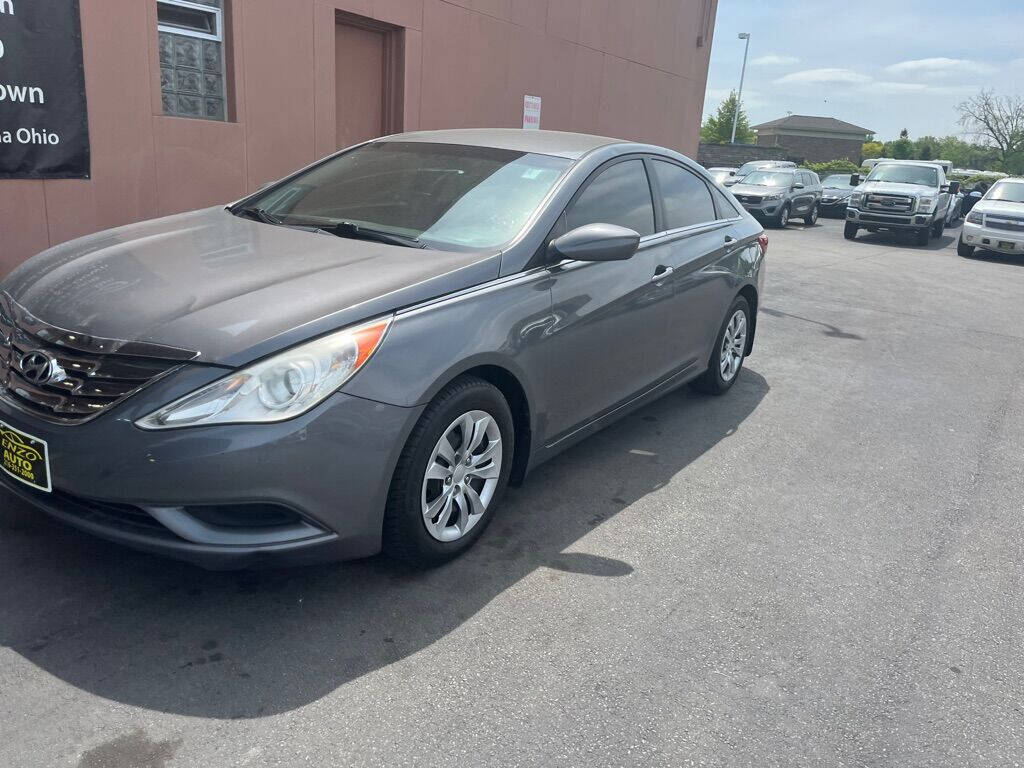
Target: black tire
x: 405, y: 536
x: 812, y: 216
x: 939, y: 227
x: 962, y: 248
x: 711, y: 381
x: 922, y: 236
x: 850, y: 230
x: 782, y: 217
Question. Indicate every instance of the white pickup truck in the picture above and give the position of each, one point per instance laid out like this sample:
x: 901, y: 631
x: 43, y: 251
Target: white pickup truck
x: 996, y: 222
x: 900, y: 196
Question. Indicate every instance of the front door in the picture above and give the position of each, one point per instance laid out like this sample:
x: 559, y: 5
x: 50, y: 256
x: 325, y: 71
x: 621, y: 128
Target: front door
x: 608, y: 341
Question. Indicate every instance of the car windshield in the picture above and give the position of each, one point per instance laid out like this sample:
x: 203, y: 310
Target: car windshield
x: 443, y: 195
x: 769, y: 179
x: 1007, y: 192
x: 924, y: 175
x: 837, y: 181
x: 747, y: 168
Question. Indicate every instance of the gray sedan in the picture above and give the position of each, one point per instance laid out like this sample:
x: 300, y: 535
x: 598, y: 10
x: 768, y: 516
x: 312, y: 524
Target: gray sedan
x: 364, y: 355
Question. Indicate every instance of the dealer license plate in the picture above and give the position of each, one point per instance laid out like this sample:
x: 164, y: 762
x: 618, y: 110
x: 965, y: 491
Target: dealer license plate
x: 24, y: 457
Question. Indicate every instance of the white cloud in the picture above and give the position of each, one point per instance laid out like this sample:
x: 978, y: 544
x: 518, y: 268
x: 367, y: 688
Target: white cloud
x: 884, y: 87
x: 940, y: 67
x: 825, y: 75
x: 774, y: 60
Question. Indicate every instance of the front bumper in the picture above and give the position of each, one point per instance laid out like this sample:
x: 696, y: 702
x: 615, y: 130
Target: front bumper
x: 764, y: 210
x: 833, y: 207
x: 889, y: 220
x: 328, y: 471
x: 992, y: 239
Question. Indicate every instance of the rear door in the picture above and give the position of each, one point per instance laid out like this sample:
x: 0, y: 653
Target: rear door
x: 694, y: 241
x: 608, y: 341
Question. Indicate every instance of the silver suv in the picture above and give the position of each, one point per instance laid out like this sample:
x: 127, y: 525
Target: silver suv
x: 775, y: 195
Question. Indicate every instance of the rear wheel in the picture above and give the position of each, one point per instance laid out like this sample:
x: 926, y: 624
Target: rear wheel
x: 451, y: 474
x: 729, y: 350
x: 812, y: 217
x: 964, y: 249
x: 923, y: 235
x: 850, y: 230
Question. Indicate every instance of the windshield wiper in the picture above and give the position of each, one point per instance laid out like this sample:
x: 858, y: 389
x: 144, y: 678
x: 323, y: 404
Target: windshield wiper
x: 359, y: 232
x: 258, y: 214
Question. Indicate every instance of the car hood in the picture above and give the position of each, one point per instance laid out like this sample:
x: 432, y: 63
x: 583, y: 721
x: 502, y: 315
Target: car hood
x: 230, y: 288
x: 885, y: 187
x: 1000, y: 207
x: 839, y: 192
x: 753, y: 189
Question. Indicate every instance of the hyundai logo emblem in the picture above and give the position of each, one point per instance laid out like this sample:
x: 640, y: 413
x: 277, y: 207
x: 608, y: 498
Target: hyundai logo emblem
x: 39, y: 368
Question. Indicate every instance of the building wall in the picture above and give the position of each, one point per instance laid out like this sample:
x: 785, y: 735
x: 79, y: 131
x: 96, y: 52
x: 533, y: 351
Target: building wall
x: 735, y: 155
x: 815, y: 149
x: 628, y: 69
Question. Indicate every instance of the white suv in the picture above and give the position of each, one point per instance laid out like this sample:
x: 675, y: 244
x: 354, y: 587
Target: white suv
x: 996, y: 222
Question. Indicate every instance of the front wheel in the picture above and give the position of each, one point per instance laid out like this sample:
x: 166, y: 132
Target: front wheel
x: 850, y: 230
x: 783, y: 218
x: 938, y: 227
x: 451, y: 474
x: 812, y: 217
x: 964, y: 249
x: 729, y: 350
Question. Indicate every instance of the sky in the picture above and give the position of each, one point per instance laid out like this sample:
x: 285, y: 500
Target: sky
x: 880, y: 65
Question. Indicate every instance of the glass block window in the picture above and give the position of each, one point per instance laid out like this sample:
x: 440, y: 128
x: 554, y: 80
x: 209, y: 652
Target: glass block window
x: 192, y: 58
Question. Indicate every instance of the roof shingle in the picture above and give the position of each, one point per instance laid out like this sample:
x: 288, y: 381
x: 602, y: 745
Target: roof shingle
x: 812, y: 123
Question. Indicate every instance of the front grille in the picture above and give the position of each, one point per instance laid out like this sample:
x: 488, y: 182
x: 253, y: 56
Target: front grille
x: 889, y: 203
x: 94, y: 373
x: 1007, y: 223
x: 749, y: 199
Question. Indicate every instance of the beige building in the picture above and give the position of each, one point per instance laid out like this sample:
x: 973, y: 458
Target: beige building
x: 195, y: 103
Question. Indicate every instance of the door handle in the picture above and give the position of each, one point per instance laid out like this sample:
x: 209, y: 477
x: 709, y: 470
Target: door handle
x: 661, y: 273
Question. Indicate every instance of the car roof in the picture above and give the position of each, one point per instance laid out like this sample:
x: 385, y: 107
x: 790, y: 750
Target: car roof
x: 558, y: 143
x: 911, y: 162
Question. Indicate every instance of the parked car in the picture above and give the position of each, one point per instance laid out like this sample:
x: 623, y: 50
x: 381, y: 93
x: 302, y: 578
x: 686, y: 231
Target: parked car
x: 775, y: 196
x: 835, y: 192
x: 901, y: 196
x: 996, y: 223
x: 724, y: 176
x: 761, y: 165
x: 366, y: 353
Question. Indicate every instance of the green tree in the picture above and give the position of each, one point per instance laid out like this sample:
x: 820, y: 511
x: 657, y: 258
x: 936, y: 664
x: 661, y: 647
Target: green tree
x: 717, y: 128
x: 999, y: 122
x: 872, y: 149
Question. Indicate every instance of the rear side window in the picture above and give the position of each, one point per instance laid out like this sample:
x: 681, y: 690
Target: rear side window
x: 724, y: 205
x: 815, y: 181
x: 620, y: 194
x: 687, y: 199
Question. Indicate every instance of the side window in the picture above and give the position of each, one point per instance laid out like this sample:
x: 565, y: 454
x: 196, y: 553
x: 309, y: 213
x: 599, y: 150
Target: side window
x: 815, y: 181
x: 621, y: 195
x: 725, y: 207
x: 687, y: 199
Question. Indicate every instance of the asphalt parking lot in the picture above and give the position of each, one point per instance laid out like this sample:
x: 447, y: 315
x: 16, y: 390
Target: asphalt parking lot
x: 822, y: 568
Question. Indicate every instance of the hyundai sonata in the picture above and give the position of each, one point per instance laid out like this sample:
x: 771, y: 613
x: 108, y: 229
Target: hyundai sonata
x: 363, y: 355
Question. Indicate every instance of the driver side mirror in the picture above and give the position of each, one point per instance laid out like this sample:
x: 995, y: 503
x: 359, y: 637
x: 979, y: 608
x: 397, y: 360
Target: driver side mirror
x: 954, y: 187
x: 596, y: 242
x: 855, y: 180
x: 732, y: 173
x: 798, y: 185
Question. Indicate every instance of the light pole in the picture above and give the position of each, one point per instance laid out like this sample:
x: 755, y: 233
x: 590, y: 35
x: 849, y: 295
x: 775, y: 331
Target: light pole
x: 739, y: 96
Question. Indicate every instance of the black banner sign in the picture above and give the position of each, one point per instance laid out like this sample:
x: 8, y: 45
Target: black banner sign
x: 44, y: 128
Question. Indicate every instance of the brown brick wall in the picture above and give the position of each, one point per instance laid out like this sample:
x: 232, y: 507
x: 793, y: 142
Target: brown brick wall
x: 735, y: 155
x: 814, y: 149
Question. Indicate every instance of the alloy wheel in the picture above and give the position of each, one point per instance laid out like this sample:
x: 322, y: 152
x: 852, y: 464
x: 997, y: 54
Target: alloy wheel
x: 784, y: 216
x: 461, y: 476
x: 734, y: 344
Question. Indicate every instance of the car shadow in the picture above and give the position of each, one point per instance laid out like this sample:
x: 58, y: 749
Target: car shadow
x: 154, y: 633
x: 906, y: 241
x: 997, y: 258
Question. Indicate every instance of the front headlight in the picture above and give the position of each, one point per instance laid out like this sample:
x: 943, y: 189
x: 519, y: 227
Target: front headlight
x: 856, y: 199
x: 278, y: 388
x: 925, y: 203
x: 776, y: 196
x: 976, y: 217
